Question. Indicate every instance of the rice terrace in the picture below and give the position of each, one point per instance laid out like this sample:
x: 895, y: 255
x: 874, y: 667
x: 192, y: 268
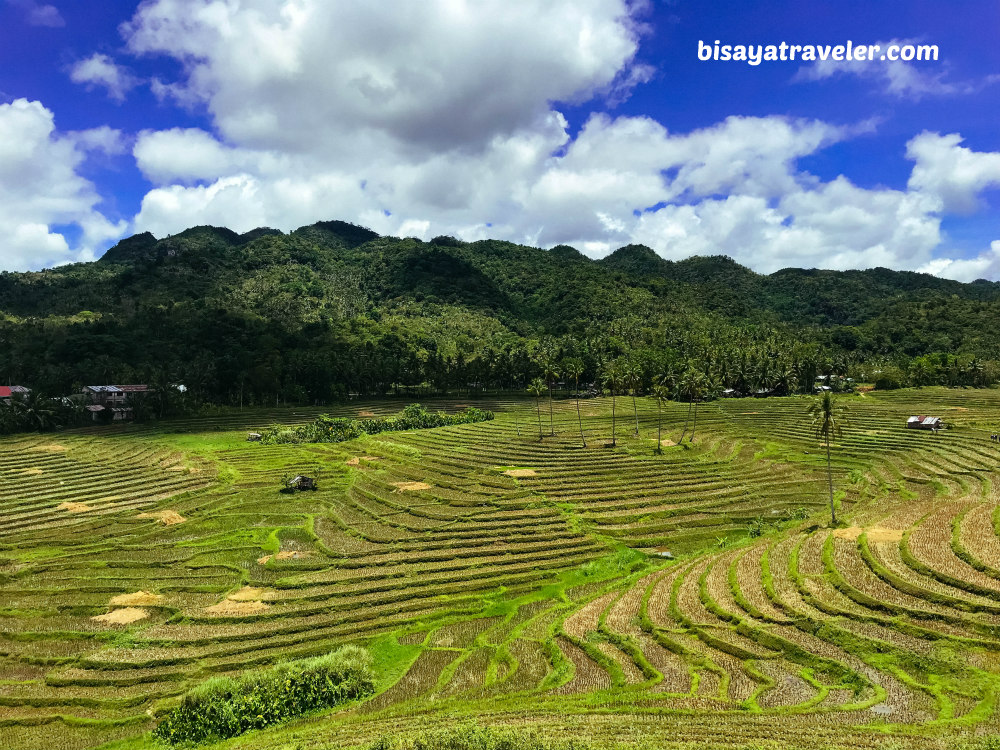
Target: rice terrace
x: 695, y: 598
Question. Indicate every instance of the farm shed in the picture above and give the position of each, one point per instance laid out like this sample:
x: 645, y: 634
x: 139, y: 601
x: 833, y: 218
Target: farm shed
x: 924, y: 423
x: 119, y: 413
x: 301, y: 482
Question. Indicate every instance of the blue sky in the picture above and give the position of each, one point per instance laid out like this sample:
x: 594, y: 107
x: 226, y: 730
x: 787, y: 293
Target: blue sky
x: 586, y: 122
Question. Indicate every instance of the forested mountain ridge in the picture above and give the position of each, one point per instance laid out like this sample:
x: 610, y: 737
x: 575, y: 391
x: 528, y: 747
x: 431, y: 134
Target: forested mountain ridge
x: 333, y: 307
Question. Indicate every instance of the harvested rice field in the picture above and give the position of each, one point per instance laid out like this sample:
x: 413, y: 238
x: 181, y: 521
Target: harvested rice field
x: 693, y: 598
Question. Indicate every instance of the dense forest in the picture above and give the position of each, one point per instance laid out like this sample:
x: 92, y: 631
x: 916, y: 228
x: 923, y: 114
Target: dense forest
x: 333, y: 309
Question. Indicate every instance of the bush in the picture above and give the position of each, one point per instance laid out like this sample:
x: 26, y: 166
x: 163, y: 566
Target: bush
x: 890, y: 379
x: 327, y: 429
x: 224, y: 707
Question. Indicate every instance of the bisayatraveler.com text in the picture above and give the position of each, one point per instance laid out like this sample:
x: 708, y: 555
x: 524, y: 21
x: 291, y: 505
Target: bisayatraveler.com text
x: 755, y: 54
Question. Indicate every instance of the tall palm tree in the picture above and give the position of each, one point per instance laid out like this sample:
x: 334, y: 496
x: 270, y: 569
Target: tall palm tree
x: 685, y: 387
x: 537, y: 387
x: 574, y: 369
x: 632, y: 376
x: 551, y: 372
x: 696, y: 390
x: 612, y: 377
x: 828, y: 417
x: 661, y: 392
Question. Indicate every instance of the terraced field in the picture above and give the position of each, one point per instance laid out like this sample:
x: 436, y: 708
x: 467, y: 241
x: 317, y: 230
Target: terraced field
x: 518, y: 581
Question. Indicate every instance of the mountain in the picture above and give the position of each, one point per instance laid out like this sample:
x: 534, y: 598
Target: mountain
x: 334, y: 307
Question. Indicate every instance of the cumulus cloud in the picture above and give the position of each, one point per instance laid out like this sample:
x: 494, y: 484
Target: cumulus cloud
x: 434, y: 75
x: 437, y: 118
x: 100, y: 71
x: 40, y: 188
x: 951, y: 172
x: 984, y: 266
x: 905, y: 80
x: 39, y: 14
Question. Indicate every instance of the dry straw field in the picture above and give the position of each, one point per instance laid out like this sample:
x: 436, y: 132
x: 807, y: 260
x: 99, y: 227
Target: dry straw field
x: 516, y: 581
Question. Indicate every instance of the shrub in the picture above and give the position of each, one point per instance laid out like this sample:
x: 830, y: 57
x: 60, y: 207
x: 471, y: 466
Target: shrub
x: 890, y: 379
x: 224, y: 707
x: 327, y: 429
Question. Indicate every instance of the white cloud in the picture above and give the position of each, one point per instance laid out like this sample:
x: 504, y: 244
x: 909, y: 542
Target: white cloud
x: 103, y: 139
x: 436, y: 112
x: 40, y: 188
x: 440, y: 118
x: 951, y: 172
x: 183, y: 155
x: 984, y: 266
x: 99, y: 70
x: 436, y: 75
x: 905, y: 80
x: 40, y: 14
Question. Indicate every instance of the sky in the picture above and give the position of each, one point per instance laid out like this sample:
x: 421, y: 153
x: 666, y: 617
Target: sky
x: 593, y: 123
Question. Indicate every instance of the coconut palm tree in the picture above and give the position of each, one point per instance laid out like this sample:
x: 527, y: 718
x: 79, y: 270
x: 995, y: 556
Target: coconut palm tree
x: 551, y: 373
x: 36, y: 412
x: 632, y: 377
x: 697, y: 387
x: 828, y: 417
x: 612, y: 377
x: 537, y: 388
x: 686, y: 386
x: 661, y: 392
x: 574, y: 369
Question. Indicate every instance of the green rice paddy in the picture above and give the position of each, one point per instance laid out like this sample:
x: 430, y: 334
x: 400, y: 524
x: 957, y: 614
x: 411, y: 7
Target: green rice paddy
x: 505, y: 580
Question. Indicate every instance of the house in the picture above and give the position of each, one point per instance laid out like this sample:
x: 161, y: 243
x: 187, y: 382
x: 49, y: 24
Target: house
x: 925, y: 423
x: 9, y: 392
x: 103, y: 395
x: 112, y: 395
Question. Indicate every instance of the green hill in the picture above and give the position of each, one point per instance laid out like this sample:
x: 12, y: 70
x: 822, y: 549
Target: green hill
x: 334, y: 307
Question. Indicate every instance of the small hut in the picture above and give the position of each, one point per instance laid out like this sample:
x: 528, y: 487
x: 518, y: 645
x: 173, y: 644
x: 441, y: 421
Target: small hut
x: 254, y: 437
x: 925, y: 423
x: 300, y: 482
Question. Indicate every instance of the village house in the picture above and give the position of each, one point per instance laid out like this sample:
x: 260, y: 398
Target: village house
x: 8, y: 392
x: 113, y: 397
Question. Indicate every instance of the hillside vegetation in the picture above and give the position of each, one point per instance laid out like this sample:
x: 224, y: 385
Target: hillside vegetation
x: 332, y: 309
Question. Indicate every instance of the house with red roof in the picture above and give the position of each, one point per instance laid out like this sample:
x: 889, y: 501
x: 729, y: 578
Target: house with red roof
x: 8, y: 392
